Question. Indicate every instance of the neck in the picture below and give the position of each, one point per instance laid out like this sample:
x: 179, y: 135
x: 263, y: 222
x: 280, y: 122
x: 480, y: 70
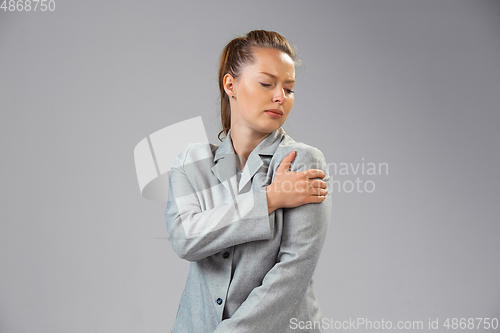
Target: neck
x: 244, y: 141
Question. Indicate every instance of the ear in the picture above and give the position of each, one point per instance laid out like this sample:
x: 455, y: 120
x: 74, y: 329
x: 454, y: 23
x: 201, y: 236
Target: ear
x: 229, y: 85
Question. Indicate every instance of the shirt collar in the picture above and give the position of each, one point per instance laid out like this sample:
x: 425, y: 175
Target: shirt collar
x: 266, y: 147
x: 225, y: 157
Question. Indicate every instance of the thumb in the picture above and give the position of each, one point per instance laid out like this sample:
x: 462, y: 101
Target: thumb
x: 286, y: 161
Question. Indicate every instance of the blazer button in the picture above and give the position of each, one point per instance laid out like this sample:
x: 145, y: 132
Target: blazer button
x: 219, y: 301
x: 225, y: 255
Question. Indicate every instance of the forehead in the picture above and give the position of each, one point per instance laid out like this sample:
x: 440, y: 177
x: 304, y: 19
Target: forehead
x: 272, y: 61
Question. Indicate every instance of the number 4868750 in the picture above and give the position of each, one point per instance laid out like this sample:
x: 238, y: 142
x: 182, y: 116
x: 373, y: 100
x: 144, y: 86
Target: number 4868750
x: 28, y: 5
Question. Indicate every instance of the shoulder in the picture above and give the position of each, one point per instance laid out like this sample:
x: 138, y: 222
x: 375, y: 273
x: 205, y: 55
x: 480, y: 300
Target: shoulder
x: 306, y: 156
x: 194, y: 152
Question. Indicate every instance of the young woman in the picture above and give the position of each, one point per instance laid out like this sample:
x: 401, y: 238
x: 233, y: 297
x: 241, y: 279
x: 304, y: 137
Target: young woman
x: 251, y: 214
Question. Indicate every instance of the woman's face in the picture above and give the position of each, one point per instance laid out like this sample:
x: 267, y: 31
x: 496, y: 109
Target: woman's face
x: 263, y: 91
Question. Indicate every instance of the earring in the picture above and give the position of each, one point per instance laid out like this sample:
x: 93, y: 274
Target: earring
x: 233, y: 97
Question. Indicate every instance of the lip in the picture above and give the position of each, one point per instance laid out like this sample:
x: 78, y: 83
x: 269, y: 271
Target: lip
x: 275, y: 111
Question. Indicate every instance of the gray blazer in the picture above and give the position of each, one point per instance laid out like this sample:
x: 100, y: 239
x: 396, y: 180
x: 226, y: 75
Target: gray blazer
x: 250, y: 271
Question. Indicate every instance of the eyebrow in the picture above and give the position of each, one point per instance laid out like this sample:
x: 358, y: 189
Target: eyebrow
x: 274, y: 76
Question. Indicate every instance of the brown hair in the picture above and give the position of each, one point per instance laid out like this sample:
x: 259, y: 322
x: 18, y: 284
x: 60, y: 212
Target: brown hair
x: 237, y: 54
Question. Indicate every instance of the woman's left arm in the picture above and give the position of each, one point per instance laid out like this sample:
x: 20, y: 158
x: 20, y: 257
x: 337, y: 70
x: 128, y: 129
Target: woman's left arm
x: 269, y: 307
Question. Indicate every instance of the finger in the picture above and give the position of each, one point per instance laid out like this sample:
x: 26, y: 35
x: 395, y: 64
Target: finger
x: 316, y: 198
x: 315, y: 173
x: 314, y: 186
x: 286, y: 161
x: 317, y: 183
x: 317, y: 191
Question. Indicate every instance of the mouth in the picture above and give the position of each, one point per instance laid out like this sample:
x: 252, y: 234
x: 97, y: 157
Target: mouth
x: 275, y: 112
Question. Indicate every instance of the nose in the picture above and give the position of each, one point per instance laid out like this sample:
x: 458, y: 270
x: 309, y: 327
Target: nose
x: 279, y: 96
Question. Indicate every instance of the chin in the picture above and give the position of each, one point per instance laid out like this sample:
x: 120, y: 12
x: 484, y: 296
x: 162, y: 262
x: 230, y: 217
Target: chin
x: 268, y: 128
x: 264, y: 125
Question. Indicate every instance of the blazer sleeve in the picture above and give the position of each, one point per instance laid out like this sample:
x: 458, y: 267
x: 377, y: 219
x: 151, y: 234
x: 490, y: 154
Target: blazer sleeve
x: 269, y: 307
x: 195, y: 233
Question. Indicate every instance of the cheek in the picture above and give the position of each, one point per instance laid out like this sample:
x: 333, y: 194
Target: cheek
x: 249, y: 99
x: 254, y: 100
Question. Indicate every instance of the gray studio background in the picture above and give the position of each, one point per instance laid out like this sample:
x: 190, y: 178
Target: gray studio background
x: 414, y: 84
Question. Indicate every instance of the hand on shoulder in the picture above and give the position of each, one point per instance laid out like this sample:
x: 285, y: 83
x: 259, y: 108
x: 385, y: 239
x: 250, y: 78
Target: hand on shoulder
x: 295, y: 188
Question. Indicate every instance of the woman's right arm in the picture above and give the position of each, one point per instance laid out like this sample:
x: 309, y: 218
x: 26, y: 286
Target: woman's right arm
x: 195, y: 233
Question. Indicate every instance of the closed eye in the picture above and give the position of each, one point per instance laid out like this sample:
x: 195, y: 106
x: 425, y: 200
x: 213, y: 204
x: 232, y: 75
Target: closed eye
x: 290, y: 91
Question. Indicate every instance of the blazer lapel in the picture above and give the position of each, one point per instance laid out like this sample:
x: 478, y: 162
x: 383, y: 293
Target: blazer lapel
x: 225, y: 164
